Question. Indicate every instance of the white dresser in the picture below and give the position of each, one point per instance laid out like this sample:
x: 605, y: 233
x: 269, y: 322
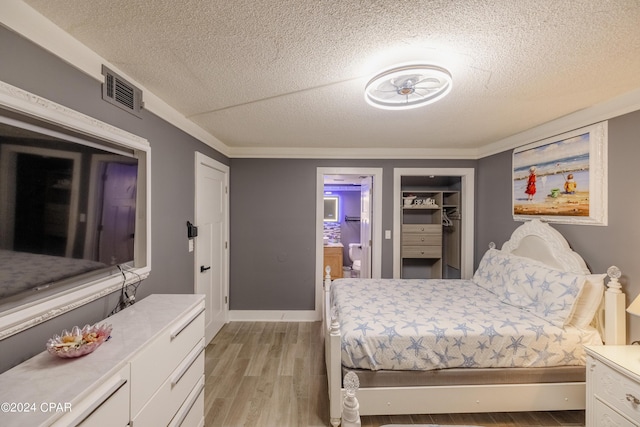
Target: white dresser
x: 150, y: 373
x: 613, y: 386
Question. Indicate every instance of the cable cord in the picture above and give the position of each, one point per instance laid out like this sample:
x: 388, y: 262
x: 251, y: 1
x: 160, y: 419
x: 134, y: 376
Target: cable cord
x: 127, y: 291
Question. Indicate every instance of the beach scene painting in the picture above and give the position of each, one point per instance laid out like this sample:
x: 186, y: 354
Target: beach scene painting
x: 562, y: 179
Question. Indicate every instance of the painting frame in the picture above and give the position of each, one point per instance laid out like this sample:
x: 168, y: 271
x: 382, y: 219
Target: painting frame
x: 563, y: 179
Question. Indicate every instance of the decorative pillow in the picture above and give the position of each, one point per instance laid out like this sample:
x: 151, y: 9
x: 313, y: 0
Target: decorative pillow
x: 493, y: 271
x: 522, y: 282
x: 589, y: 301
x: 545, y: 292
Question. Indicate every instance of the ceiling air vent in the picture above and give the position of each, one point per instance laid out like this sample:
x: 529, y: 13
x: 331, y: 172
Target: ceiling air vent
x: 119, y: 92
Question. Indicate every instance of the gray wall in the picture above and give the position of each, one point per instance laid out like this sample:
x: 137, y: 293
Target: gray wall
x: 172, y: 181
x: 273, y: 214
x: 616, y: 244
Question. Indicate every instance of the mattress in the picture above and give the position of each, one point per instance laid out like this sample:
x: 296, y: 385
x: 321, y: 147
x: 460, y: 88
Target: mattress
x: 464, y: 376
x: 412, y: 324
x: 21, y: 271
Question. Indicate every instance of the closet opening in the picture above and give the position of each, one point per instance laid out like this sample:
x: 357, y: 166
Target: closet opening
x: 433, y: 223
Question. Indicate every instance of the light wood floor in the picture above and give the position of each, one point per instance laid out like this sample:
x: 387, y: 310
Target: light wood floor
x: 271, y: 374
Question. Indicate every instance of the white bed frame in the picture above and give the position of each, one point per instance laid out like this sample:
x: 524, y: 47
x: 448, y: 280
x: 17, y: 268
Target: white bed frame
x: 533, y: 239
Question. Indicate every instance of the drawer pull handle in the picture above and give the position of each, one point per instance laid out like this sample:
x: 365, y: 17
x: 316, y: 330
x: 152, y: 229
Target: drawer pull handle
x: 634, y: 400
x: 182, y: 327
x: 189, y: 360
x: 192, y: 401
x: 100, y: 401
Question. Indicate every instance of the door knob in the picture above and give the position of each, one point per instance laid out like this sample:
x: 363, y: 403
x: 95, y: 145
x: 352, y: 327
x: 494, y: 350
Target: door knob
x: 203, y: 268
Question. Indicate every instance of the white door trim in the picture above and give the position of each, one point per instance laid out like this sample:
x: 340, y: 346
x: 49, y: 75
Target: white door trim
x: 214, y: 164
x: 467, y: 176
x: 376, y: 223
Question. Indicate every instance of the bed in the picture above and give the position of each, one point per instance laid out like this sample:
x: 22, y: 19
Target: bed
x: 22, y: 271
x: 510, y: 339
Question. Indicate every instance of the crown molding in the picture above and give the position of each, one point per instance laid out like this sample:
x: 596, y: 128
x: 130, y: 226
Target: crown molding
x: 352, y: 153
x: 618, y: 106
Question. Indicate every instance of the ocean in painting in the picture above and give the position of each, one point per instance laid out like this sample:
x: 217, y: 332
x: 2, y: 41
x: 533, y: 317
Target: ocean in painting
x: 552, y: 175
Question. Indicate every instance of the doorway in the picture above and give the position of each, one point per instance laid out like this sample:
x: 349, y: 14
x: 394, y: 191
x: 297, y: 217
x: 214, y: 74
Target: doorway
x: 212, y: 242
x: 366, y: 220
x: 50, y: 220
x: 466, y: 178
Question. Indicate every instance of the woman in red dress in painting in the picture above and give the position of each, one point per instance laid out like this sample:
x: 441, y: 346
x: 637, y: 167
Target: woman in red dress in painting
x: 531, y: 183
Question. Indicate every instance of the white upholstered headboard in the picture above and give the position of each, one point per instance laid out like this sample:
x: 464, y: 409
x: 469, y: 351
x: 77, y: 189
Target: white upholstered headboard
x: 539, y: 241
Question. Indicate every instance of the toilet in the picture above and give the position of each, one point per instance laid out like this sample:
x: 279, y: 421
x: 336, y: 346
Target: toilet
x: 355, y: 253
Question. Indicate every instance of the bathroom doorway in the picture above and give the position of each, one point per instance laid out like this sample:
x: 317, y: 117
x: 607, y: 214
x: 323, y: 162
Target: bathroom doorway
x: 357, y: 194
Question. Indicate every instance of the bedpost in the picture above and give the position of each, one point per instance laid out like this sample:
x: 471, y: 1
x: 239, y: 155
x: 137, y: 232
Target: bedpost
x: 614, y: 310
x: 350, y: 406
x: 332, y: 349
x: 327, y: 278
x: 334, y: 365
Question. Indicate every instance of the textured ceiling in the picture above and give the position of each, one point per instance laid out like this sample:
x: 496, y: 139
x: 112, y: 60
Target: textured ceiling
x: 291, y: 73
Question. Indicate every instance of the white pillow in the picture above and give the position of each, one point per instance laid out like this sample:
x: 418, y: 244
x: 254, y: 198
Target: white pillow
x: 589, y: 301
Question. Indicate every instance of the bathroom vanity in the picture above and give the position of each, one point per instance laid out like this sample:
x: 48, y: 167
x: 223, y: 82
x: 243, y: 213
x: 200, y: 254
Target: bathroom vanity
x: 333, y: 258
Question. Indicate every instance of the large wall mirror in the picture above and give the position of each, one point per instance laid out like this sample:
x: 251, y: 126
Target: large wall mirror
x: 74, y: 205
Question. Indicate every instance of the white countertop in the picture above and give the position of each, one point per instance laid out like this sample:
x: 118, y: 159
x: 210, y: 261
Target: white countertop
x: 334, y: 245
x: 46, y: 379
x: 624, y: 357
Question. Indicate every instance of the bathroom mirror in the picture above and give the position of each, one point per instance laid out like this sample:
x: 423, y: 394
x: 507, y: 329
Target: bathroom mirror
x: 331, y: 208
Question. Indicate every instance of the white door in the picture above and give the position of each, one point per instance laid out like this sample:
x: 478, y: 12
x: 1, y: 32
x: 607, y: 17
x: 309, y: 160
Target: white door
x: 211, y: 244
x: 365, y: 226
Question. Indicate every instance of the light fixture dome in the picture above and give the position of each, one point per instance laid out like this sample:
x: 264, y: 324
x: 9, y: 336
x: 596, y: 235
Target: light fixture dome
x: 408, y: 86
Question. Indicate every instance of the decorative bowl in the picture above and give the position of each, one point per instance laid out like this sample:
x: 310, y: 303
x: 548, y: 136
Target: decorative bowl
x: 78, y: 342
x: 408, y: 200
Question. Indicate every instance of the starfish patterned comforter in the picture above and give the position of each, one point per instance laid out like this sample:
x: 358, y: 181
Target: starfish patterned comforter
x: 434, y: 324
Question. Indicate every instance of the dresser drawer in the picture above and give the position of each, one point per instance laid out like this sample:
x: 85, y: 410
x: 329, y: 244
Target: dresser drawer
x: 173, y: 393
x: 605, y: 416
x: 151, y: 367
x: 422, y: 228
x: 415, y: 239
x: 106, y: 405
x: 191, y: 413
x: 421, y: 251
x: 617, y: 391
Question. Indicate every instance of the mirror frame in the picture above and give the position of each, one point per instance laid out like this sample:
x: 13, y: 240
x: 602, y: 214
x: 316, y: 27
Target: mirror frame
x: 61, y: 121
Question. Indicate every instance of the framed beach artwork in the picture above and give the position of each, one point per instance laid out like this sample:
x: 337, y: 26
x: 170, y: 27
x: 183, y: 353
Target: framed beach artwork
x: 563, y: 179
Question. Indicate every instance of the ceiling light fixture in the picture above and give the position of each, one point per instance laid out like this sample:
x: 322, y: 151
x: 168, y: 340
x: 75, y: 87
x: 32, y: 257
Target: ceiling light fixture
x: 408, y: 86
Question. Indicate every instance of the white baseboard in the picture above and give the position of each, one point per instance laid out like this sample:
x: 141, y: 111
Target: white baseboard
x: 274, y: 316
